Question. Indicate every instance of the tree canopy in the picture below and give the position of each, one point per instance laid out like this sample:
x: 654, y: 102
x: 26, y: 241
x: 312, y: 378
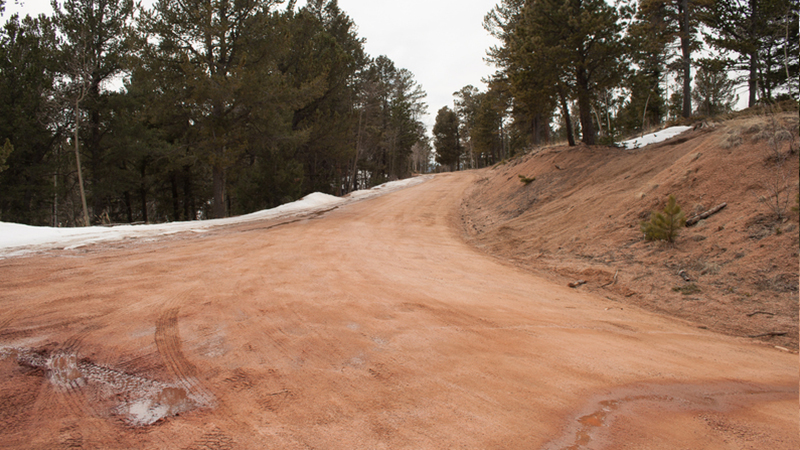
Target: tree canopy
x: 195, y: 109
x: 623, y: 67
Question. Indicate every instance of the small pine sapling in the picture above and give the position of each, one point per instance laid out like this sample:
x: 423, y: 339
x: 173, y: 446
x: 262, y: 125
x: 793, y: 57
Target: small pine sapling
x: 664, y: 226
x: 525, y: 180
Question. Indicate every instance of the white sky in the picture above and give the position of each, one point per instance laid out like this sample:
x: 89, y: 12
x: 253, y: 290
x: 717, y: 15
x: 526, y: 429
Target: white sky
x: 442, y: 42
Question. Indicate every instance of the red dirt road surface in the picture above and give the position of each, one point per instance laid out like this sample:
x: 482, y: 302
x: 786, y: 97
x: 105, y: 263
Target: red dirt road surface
x: 372, y: 326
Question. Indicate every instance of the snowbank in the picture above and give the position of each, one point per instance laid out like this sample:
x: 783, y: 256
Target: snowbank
x: 16, y: 239
x: 653, y: 138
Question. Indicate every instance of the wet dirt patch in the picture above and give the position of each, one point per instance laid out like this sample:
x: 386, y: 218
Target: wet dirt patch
x: 139, y: 401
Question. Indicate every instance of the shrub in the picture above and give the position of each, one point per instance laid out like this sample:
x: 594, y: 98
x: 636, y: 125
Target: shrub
x: 525, y: 180
x: 664, y: 226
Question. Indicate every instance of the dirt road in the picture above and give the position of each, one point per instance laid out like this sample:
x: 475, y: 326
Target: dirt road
x: 370, y: 326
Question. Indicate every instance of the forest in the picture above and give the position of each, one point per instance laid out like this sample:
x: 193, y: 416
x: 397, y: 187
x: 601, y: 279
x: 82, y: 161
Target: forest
x: 111, y: 112
x: 599, y: 71
x: 194, y: 109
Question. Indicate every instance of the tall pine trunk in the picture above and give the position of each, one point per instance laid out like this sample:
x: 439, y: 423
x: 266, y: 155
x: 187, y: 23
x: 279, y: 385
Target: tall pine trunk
x: 567, y: 119
x: 94, y: 147
x: 218, y: 207
x: 85, y: 209
x: 585, y: 107
x: 686, y: 57
x: 752, y: 80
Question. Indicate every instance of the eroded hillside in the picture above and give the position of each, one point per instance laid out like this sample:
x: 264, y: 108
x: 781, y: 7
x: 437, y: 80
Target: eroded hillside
x: 579, y: 220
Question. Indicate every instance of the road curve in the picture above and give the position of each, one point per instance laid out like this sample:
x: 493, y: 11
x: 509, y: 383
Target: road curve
x: 370, y: 326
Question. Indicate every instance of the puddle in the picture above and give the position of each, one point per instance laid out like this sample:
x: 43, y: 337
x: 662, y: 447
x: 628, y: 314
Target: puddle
x: 140, y: 401
x: 591, y: 421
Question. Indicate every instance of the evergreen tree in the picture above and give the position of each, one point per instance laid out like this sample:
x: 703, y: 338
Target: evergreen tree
x: 557, y: 49
x: 226, y: 107
x: 526, y: 72
x: 208, y: 42
x: 96, y: 42
x: 391, y: 107
x: 714, y: 92
x: 648, y: 39
x: 325, y: 51
x: 481, y: 116
x: 28, y: 121
x: 446, y: 140
x: 466, y: 108
x: 676, y: 20
x: 764, y: 36
x: 664, y: 226
x: 583, y: 40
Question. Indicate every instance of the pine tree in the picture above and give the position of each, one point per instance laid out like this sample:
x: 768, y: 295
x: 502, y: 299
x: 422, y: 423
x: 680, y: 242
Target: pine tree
x: 764, y: 36
x: 666, y: 226
x: 96, y: 42
x: 554, y: 49
x: 28, y: 120
x: 445, y: 138
x: 212, y: 46
x: 714, y: 92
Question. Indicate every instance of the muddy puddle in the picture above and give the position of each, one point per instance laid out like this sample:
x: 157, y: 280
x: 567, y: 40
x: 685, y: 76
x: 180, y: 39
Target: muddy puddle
x: 592, y: 427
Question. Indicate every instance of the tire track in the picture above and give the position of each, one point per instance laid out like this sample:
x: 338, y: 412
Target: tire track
x: 69, y: 375
x: 67, y: 378
x: 71, y: 437
x: 5, y: 322
x: 169, y: 346
x: 215, y: 439
x: 168, y: 343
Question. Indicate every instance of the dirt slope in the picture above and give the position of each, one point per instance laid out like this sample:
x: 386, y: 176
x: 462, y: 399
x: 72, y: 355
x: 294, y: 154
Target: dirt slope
x: 580, y: 220
x: 371, y: 326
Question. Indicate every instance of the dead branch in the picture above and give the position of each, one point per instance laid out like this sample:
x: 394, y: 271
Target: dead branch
x: 760, y: 312
x: 576, y: 283
x: 771, y: 333
x: 613, y: 281
x: 693, y: 220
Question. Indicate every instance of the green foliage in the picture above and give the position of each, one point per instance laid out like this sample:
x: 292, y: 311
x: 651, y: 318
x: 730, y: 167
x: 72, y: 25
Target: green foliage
x: 28, y: 119
x: 446, y: 139
x: 481, y: 131
x: 763, y: 37
x: 714, y: 92
x: 609, y: 140
x: 554, y: 49
x: 227, y: 107
x: 666, y: 225
x: 525, y: 180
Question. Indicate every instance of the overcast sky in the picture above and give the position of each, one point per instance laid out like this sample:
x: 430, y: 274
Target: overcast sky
x: 442, y: 42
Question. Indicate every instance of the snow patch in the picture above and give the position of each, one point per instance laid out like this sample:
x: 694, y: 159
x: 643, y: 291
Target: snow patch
x: 17, y: 239
x: 653, y: 138
x: 143, y: 412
